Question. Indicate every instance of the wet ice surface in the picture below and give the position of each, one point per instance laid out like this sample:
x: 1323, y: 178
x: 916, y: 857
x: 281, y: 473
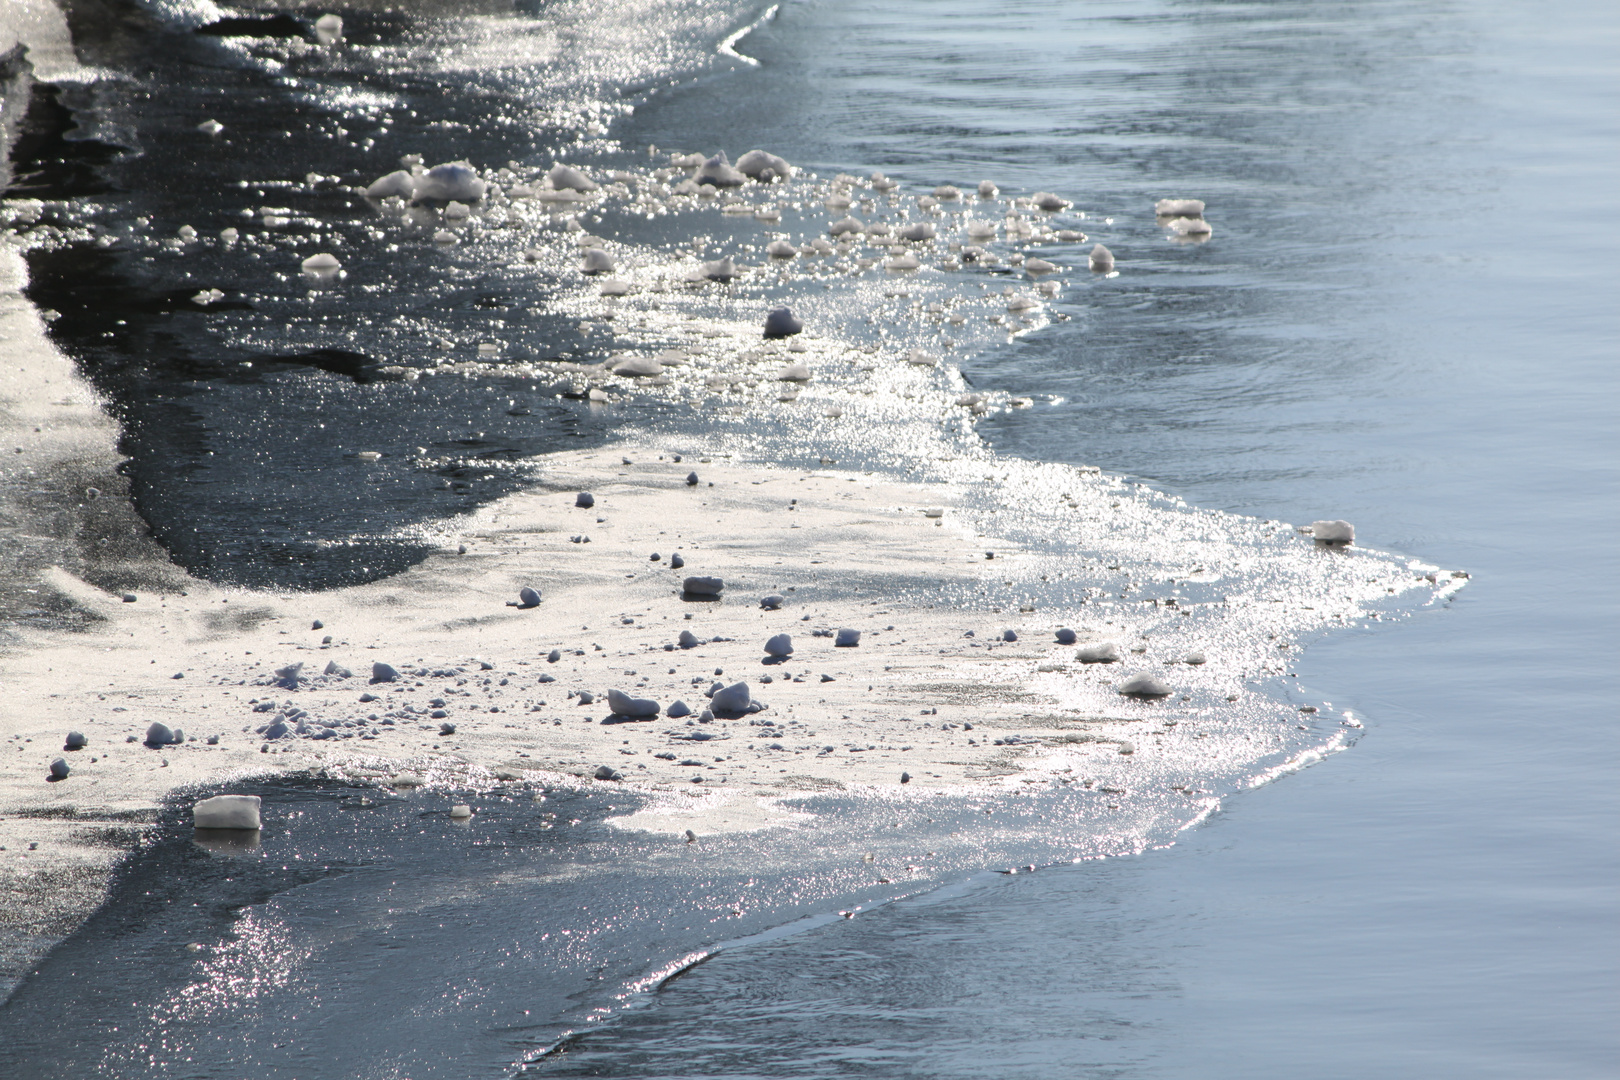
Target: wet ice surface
x: 369, y: 933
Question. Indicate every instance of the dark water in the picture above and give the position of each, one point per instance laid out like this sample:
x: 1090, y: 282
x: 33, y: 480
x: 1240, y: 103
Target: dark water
x: 1406, y: 317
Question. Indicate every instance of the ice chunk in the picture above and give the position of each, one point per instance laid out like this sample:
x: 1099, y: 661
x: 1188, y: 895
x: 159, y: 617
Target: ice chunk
x: 452, y: 180
x: 722, y: 269
x: 1049, y: 202
x: 1333, y: 532
x: 1099, y: 652
x: 732, y: 699
x: 323, y: 263
x: 568, y: 178
x: 160, y: 734
x: 1179, y: 208
x: 779, y: 645
x: 764, y: 166
x: 703, y: 586
x: 782, y: 323
x: 718, y: 172
x: 1145, y: 685
x: 625, y: 705
x: 596, y: 261
x: 227, y: 812
x: 1102, y: 260
x: 329, y: 30
x: 398, y: 184
x: 1189, y: 226
x: 638, y: 366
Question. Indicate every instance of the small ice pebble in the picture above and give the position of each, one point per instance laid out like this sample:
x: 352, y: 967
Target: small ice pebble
x: 1333, y: 532
x: 329, y: 29
x: 1145, y: 685
x: 1179, y: 208
x: 782, y: 323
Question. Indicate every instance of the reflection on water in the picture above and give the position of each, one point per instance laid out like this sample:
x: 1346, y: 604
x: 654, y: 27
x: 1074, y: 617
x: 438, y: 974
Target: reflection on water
x: 226, y: 841
x: 1341, y: 346
x: 945, y: 986
x: 374, y: 930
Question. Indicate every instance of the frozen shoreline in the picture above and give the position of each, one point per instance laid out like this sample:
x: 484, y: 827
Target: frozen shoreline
x: 203, y: 658
x: 845, y: 550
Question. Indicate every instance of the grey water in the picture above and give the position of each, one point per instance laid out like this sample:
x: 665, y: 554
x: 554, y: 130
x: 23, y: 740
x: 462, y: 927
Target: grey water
x: 1408, y: 313
x: 1406, y: 317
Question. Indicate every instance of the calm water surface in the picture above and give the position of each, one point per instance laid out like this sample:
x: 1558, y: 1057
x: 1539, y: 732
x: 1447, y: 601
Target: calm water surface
x: 1406, y: 315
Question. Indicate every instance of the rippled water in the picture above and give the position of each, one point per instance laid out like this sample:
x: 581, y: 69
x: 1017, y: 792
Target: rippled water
x: 1404, y: 317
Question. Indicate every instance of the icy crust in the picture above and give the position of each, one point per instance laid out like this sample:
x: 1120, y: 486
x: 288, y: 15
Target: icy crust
x: 468, y: 687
